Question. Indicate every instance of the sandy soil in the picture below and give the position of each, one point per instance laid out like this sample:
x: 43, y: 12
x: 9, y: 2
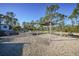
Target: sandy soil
x: 39, y: 45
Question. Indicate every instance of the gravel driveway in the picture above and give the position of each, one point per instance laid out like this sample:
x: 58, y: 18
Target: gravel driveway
x: 27, y: 44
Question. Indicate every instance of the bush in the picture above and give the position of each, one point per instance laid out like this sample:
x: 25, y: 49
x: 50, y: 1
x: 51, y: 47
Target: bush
x: 16, y: 28
x: 2, y: 33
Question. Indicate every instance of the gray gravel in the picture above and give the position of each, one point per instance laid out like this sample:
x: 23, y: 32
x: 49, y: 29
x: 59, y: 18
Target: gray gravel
x: 28, y: 44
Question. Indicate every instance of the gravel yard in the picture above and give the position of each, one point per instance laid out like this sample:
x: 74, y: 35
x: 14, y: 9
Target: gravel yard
x: 38, y: 45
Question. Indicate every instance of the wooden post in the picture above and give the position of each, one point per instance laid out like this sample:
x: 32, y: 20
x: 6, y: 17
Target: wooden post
x: 50, y: 30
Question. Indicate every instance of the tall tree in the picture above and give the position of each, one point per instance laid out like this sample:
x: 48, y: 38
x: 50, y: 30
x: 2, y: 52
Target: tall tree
x: 1, y: 18
x: 10, y: 18
x: 75, y: 15
x: 10, y: 14
x: 50, y: 13
x: 71, y: 18
x: 7, y: 20
x: 62, y: 18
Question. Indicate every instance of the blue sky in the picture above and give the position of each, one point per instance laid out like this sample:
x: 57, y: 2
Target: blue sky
x: 33, y: 11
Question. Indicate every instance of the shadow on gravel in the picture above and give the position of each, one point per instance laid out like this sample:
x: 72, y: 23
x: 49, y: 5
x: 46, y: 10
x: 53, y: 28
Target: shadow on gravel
x: 3, y: 39
x: 11, y: 49
x: 74, y: 36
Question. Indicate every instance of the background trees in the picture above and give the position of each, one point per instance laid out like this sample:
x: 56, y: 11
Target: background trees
x: 56, y: 20
x: 1, y: 18
x: 74, y: 17
x: 9, y: 19
x: 52, y: 17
